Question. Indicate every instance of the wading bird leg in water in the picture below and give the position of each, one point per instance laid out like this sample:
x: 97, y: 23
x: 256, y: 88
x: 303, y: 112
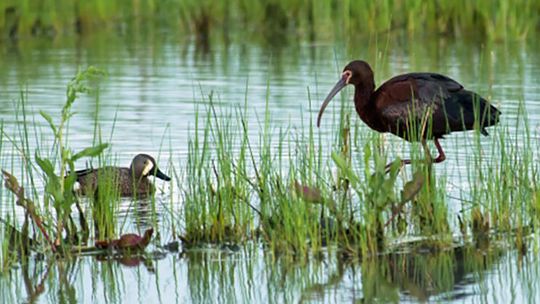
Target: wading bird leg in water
x: 441, y: 156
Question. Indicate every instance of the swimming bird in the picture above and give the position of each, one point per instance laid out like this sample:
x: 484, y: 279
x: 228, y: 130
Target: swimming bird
x: 414, y: 106
x: 132, y: 181
x: 127, y: 242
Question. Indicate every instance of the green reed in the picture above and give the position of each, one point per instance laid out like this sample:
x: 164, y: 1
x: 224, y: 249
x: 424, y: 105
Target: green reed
x: 17, y: 234
x: 295, y: 193
x: 284, y: 191
x: 217, y: 200
x: 54, y: 163
x: 505, y: 197
x: 493, y: 19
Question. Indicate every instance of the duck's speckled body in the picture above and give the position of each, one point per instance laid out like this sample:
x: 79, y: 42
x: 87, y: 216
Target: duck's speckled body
x: 132, y: 181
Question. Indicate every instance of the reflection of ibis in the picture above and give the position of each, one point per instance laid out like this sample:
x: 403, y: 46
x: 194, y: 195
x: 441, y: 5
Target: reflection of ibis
x: 415, y: 106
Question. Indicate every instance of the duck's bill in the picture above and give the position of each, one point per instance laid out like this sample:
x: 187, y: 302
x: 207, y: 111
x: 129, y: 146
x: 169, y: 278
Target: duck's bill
x: 162, y: 175
x: 338, y: 87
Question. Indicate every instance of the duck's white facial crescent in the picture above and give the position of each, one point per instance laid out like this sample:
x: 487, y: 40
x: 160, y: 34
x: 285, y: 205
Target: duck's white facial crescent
x: 148, y: 166
x: 77, y: 186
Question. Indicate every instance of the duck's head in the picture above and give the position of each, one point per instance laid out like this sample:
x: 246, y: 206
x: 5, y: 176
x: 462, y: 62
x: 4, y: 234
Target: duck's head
x: 144, y: 165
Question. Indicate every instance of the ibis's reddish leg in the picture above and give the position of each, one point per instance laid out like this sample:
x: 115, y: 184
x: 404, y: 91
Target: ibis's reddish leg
x: 441, y: 156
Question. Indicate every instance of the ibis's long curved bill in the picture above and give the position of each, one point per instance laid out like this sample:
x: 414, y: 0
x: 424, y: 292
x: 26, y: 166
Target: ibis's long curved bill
x: 339, y: 85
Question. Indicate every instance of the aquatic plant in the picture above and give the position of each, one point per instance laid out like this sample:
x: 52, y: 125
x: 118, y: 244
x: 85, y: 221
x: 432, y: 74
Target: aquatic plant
x: 58, y: 191
x: 59, y: 186
x: 282, y: 191
x: 217, y: 204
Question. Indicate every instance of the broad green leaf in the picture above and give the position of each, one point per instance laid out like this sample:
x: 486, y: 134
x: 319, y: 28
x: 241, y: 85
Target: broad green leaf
x: 412, y: 187
x: 90, y: 152
x: 66, y: 154
x: 395, y: 167
x: 52, y: 184
x: 343, y: 165
x: 69, y: 196
x: 49, y: 119
x: 53, y: 188
x: 45, y: 165
x: 69, y: 181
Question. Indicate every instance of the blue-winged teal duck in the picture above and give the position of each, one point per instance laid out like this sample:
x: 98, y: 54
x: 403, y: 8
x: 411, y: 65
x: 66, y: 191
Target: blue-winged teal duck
x: 131, y: 181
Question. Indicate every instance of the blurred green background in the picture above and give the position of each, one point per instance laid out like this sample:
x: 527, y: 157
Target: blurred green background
x: 309, y: 19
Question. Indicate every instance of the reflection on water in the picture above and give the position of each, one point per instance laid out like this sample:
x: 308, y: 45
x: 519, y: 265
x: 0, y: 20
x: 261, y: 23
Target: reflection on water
x: 248, y: 275
x: 147, y: 103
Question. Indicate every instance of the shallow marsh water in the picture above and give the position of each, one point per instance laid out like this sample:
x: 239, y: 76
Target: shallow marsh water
x: 155, y: 85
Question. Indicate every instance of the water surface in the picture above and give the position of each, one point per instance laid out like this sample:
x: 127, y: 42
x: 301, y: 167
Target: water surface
x: 147, y: 103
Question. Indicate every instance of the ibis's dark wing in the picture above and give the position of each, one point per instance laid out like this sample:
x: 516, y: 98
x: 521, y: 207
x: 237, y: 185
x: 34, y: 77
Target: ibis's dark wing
x: 431, y: 105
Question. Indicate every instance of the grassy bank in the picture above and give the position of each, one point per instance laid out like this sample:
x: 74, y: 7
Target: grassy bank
x: 492, y: 19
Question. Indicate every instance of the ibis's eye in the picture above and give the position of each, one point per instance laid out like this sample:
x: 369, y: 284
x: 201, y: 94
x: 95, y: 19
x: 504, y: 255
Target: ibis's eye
x: 347, y: 76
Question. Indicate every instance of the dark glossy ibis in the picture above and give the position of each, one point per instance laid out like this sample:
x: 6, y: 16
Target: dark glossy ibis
x: 415, y: 106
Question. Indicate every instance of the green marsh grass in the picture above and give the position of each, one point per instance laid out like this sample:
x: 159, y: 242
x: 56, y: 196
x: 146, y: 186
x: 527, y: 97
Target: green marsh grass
x: 230, y: 194
x: 296, y: 193
x: 53, y: 161
x: 217, y: 197
x: 504, y: 196
x: 493, y: 19
x: 59, y: 186
x: 283, y: 191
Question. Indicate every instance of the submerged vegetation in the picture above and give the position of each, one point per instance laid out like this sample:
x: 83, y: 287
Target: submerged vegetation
x: 493, y: 19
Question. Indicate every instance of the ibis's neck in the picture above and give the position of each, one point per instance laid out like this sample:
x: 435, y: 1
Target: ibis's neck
x: 362, y: 97
x: 364, y: 105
